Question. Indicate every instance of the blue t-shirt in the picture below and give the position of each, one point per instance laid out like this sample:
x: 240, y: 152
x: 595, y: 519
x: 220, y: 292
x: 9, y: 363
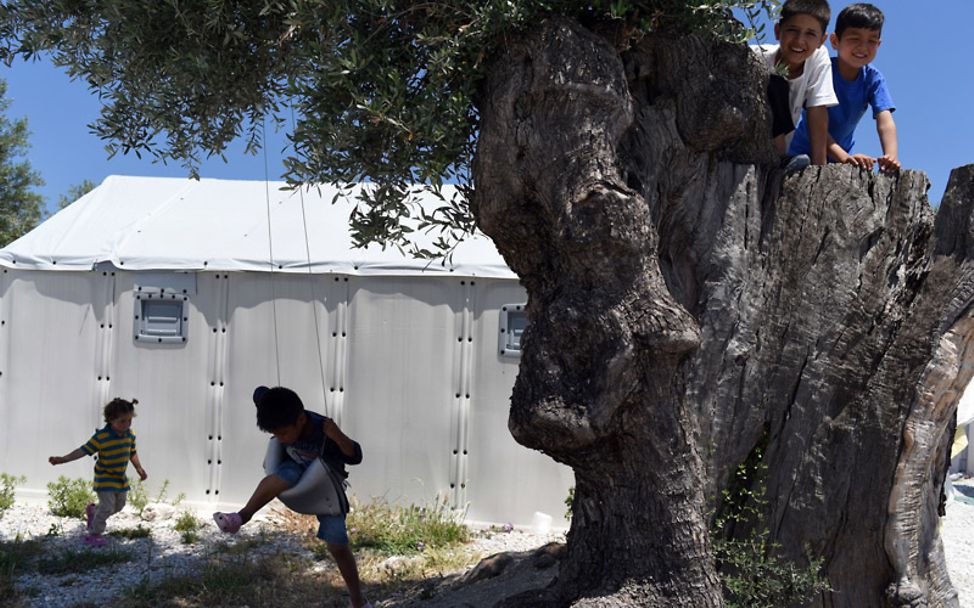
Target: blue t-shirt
x: 855, y: 96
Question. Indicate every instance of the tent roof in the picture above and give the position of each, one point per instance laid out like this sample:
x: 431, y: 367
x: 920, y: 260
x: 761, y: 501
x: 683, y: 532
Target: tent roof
x: 153, y: 223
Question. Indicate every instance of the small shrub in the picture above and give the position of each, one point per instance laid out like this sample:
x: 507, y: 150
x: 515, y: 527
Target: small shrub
x: 752, y: 572
x: 407, y: 529
x: 138, y: 497
x: 569, y: 501
x: 8, y: 484
x: 187, y: 525
x: 68, y: 497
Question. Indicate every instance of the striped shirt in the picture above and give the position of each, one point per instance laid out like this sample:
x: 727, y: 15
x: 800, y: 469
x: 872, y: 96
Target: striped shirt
x: 114, y: 452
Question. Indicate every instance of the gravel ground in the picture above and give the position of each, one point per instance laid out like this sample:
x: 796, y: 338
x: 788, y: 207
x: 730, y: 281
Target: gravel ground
x: 958, y: 537
x: 164, y: 554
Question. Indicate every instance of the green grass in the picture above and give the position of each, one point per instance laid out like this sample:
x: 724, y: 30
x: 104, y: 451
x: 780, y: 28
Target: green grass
x: 264, y: 581
x: 405, y: 530
x: 71, y: 561
x: 138, y: 531
x: 15, y: 556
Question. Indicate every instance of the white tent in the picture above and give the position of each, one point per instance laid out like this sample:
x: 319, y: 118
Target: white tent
x: 186, y: 294
x: 961, y: 452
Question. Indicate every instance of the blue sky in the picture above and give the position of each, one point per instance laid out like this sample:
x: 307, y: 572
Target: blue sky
x: 921, y: 57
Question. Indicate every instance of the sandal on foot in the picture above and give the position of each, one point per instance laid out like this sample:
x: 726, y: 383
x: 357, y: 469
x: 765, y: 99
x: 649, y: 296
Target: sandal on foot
x: 228, y: 522
x: 95, y: 540
x: 89, y: 514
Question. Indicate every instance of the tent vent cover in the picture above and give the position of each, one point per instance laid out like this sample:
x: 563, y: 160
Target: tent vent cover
x: 160, y: 320
x: 512, y: 323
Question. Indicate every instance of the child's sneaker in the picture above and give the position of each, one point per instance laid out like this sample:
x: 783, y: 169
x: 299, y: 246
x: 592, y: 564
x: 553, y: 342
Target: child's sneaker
x: 228, y: 522
x: 89, y: 514
x: 95, y: 540
x: 793, y: 164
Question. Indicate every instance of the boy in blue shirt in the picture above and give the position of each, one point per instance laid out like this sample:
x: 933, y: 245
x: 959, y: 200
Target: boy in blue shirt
x: 858, y: 86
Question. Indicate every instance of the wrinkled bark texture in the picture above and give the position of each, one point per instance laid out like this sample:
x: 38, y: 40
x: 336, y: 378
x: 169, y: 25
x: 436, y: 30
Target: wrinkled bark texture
x: 688, y: 303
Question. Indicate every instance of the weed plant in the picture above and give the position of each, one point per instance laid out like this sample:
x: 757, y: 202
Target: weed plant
x: 405, y: 530
x: 8, y: 485
x: 752, y: 571
x: 68, y: 497
x: 188, y: 526
x: 139, y: 496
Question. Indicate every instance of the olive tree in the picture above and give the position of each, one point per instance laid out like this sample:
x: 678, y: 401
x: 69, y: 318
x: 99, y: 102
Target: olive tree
x: 690, y: 309
x: 20, y: 204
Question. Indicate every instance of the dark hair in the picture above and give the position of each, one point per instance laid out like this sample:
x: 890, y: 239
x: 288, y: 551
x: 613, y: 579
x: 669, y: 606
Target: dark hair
x: 119, y: 407
x: 814, y: 8
x: 861, y: 15
x: 277, y: 407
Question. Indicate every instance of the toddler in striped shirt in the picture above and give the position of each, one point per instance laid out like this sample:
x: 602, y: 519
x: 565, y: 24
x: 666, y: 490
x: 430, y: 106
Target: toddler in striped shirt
x: 114, y: 445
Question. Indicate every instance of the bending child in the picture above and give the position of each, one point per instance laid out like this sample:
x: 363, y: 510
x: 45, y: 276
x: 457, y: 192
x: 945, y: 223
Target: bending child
x: 115, y: 447
x: 305, y: 437
x: 859, y: 86
x: 805, y: 68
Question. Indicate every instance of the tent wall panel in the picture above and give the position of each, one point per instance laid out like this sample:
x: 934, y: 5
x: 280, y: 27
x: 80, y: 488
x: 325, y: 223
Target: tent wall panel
x: 177, y: 385
x: 50, y: 378
x: 272, y: 321
x: 400, y: 385
x: 408, y: 365
x: 6, y: 344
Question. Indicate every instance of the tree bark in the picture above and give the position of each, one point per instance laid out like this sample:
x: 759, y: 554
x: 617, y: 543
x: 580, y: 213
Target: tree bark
x: 688, y: 303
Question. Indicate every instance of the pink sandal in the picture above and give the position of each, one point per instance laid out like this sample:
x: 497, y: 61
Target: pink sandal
x: 89, y: 514
x: 228, y: 522
x: 95, y: 540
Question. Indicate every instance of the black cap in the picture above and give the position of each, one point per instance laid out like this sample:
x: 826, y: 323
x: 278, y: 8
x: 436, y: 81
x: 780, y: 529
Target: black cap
x: 259, y: 392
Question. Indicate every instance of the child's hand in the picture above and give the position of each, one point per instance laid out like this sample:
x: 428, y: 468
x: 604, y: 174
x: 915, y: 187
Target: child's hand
x: 860, y: 160
x: 888, y: 164
x: 142, y: 474
x: 55, y: 460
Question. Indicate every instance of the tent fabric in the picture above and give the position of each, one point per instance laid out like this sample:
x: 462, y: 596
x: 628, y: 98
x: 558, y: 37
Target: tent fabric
x: 150, y: 223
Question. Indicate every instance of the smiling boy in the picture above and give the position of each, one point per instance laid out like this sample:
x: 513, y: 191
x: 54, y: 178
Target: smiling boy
x: 858, y: 85
x: 800, y: 57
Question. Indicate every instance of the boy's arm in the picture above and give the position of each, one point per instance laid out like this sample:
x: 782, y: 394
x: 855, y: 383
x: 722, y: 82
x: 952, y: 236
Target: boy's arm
x: 886, y: 127
x: 76, y: 454
x: 839, y: 155
x: 350, y: 449
x: 818, y: 133
x: 138, y: 466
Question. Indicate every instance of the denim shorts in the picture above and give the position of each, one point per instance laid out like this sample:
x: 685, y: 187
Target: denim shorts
x: 331, y: 528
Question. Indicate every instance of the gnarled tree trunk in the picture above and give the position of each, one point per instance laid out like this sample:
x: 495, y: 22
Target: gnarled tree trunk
x: 687, y: 304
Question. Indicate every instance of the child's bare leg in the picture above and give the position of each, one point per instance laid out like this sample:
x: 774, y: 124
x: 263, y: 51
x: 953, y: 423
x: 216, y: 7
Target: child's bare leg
x: 267, y: 490
x: 346, y: 565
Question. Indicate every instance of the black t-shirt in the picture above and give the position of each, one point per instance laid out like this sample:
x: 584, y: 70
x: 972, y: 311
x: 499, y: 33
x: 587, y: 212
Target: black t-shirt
x: 305, y: 450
